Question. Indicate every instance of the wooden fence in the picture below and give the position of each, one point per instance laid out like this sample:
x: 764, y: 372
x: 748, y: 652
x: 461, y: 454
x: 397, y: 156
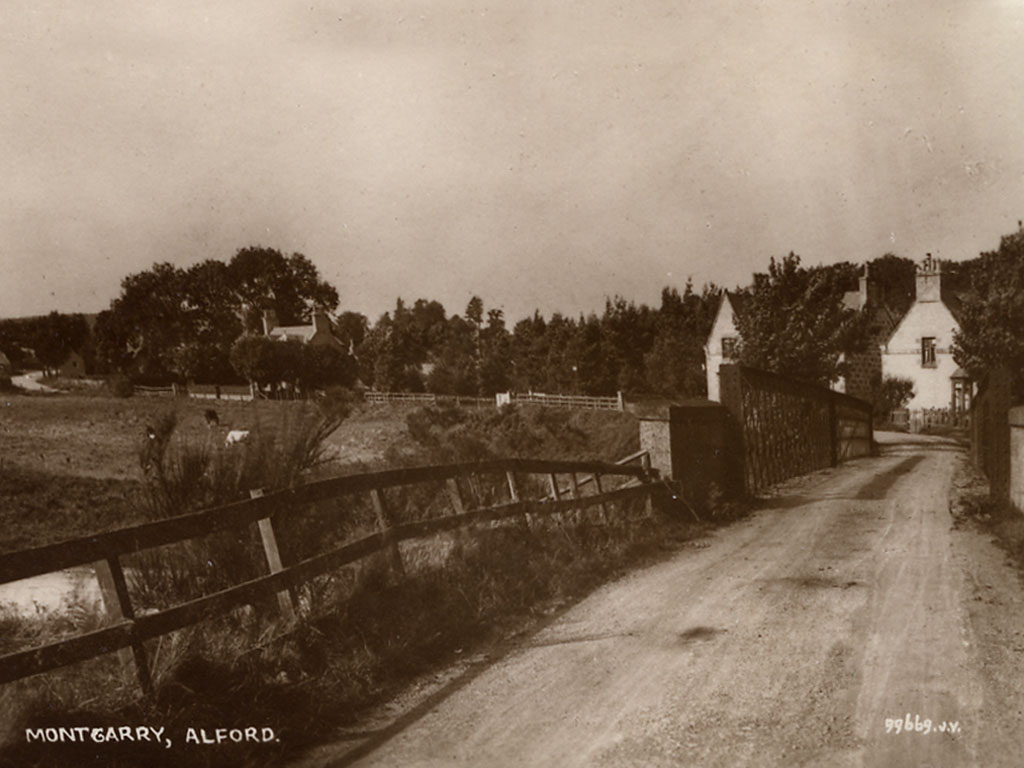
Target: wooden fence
x: 428, y: 398
x: 580, y: 402
x: 168, y: 391
x: 921, y: 419
x: 129, y: 629
x: 788, y: 428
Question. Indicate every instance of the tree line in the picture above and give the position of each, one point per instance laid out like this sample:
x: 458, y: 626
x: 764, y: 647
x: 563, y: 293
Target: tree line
x: 204, y: 323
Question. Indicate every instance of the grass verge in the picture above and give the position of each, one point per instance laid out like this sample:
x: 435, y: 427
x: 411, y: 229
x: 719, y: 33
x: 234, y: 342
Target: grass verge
x: 971, y: 503
x: 331, y: 666
x: 363, y: 633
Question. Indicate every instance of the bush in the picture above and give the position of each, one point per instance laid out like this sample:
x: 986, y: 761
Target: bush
x: 120, y: 386
x: 446, y: 433
x: 892, y: 394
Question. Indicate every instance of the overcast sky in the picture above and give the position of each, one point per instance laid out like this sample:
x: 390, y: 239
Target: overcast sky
x: 539, y: 153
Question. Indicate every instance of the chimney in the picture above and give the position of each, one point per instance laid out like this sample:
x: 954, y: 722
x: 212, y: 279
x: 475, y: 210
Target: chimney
x: 929, y: 279
x: 321, y: 323
x: 269, y: 321
x: 870, y: 290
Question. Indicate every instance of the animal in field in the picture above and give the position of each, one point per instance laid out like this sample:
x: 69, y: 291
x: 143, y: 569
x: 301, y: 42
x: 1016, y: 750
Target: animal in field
x: 151, y: 450
x: 236, y: 436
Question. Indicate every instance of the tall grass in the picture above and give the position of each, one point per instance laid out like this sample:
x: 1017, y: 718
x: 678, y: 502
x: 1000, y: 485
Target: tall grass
x: 184, y: 475
x: 362, y: 632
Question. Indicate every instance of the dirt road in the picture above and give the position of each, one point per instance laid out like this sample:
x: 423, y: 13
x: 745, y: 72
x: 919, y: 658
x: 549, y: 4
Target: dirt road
x: 790, y: 639
x: 30, y: 381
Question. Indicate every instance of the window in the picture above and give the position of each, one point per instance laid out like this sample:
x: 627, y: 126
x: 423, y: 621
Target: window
x: 729, y: 347
x: 928, y: 352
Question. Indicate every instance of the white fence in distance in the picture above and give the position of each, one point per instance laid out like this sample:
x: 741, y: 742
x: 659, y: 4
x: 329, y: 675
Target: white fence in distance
x: 577, y: 402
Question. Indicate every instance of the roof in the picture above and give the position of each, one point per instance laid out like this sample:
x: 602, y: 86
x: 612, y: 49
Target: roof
x: 296, y: 332
x: 948, y: 299
x: 954, y: 303
x: 738, y: 301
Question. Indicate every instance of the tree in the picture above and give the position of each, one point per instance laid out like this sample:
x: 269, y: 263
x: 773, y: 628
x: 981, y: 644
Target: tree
x: 494, y: 355
x: 55, y: 336
x: 675, y: 364
x: 211, y: 320
x: 256, y: 358
x: 146, y: 322
x: 351, y: 328
x: 454, y: 370
x: 628, y: 333
x: 892, y: 394
x: 895, y: 278
x: 992, y: 313
x: 264, y: 279
x: 528, y: 353
x: 322, y: 366
x: 795, y: 323
x: 172, y: 321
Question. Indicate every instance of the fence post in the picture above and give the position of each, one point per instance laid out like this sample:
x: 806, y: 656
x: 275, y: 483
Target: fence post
x: 384, y: 521
x: 513, y: 488
x: 619, y: 402
x: 833, y: 430
x: 459, y: 505
x: 556, y: 493
x: 285, y: 600
x: 600, y: 490
x: 575, y: 488
x: 455, y: 495
x: 118, y: 604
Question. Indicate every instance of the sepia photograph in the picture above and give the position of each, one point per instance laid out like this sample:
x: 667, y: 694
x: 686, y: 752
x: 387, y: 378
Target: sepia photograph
x: 519, y: 385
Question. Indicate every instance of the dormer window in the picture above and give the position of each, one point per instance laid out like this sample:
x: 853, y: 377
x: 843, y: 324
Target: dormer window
x: 928, y: 352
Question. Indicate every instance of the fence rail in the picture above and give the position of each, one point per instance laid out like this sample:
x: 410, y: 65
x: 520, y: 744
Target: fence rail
x: 583, y: 402
x: 919, y: 419
x: 105, y: 550
x: 374, y: 396
x: 154, y: 391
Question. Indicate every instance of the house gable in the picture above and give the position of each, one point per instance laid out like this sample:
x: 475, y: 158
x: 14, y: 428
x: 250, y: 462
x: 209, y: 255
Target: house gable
x: 920, y: 346
x: 723, y: 329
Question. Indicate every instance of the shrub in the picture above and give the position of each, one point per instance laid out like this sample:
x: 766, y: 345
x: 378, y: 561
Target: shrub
x: 892, y: 394
x: 120, y: 386
x: 185, y: 475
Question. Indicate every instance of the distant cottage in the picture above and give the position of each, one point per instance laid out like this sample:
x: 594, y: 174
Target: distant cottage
x: 916, y: 347
x: 318, y: 333
x: 723, y: 341
x: 919, y: 348
x: 73, y: 367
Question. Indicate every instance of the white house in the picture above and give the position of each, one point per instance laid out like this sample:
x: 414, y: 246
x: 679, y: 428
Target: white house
x: 919, y: 348
x: 865, y: 368
x: 319, y: 332
x: 721, y: 345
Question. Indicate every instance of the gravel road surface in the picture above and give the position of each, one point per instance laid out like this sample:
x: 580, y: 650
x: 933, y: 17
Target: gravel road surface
x: 788, y: 639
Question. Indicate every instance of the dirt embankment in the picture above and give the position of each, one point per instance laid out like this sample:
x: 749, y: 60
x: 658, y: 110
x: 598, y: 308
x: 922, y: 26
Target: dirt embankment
x: 800, y: 636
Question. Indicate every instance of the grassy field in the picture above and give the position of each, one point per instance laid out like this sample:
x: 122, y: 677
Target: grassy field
x: 70, y: 467
x: 69, y: 464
